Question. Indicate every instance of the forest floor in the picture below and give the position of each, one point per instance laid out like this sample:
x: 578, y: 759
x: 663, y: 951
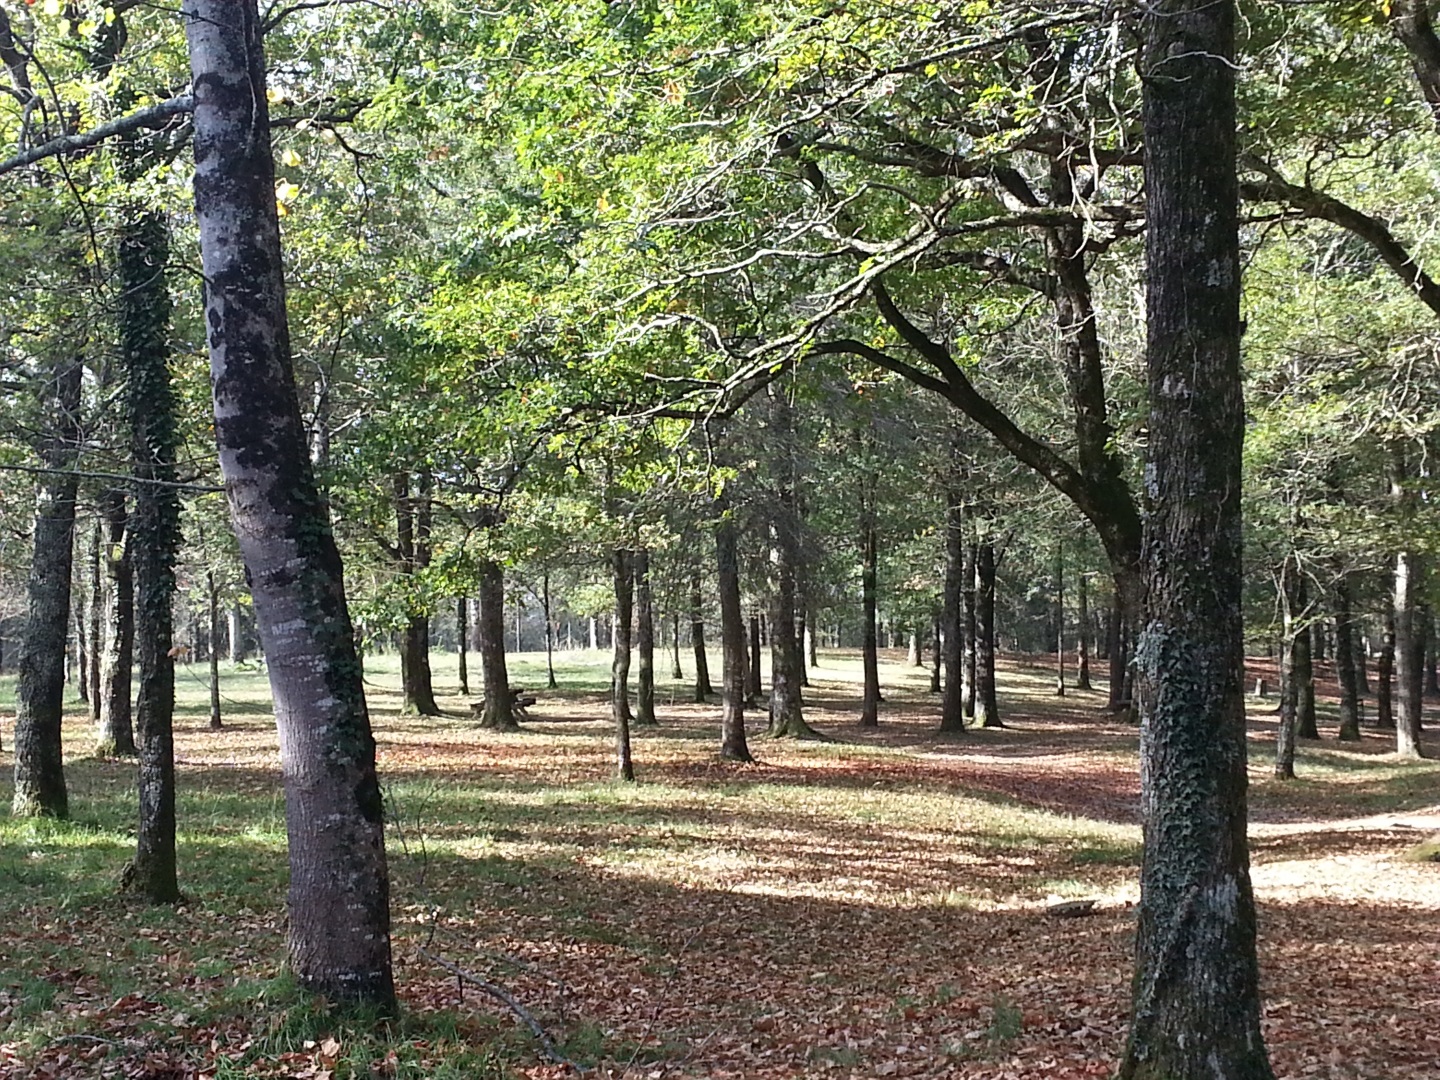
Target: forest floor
x: 870, y: 906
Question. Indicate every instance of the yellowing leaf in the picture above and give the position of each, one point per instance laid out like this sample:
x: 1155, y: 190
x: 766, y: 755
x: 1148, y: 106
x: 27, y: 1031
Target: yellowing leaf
x: 290, y: 159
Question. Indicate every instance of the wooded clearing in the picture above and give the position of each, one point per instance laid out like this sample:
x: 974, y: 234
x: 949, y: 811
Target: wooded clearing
x: 869, y: 906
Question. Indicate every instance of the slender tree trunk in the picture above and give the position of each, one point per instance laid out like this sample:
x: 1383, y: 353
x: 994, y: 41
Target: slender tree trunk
x: 462, y: 639
x: 1290, y: 605
x: 339, y: 905
x: 498, y: 713
x: 96, y: 620
x: 40, y: 690
x: 935, y: 655
x: 970, y: 628
x: 1408, y: 675
x: 786, y: 708
x: 644, y: 642
x: 1195, y: 1012
x: 733, y: 743
x: 212, y: 591
x: 676, y: 671
x: 812, y: 634
x: 1082, y: 642
x: 753, y: 684
x: 412, y: 543
x: 235, y: 634
x: 703, y: 689
x: 870, y: 703
x: 624, y: 574
x: 987, y: 706
x: 951, y: 642
x: 1345, y: 660
x: 1362, y: 663
x: 1060, y: 622
x: 117, y: 730
x: 1384, y: 669
x: 550, y: 682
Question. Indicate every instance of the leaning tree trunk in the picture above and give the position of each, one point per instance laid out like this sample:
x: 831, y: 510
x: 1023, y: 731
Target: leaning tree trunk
x: 339, y: 902
x: 1195, y: 1012
x: 703, y: 689
x: 40, y: 691
x: 733, y: 743
x: 624, y: 577
x: 987, y: 706
x: 117, y: 728
x: 1345, y: 660
x: 644, y: 642
x: 951, y: 644
x: 498, y: 713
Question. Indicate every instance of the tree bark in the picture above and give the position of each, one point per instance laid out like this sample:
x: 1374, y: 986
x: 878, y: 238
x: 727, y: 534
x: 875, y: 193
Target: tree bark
x: 952, y: 708
x: 644, y: 642
x: 498, y: 713
x: 753, y: 682
x: 40, y: 690
x: 1060, y: 622
x: 1290, y: 606
x: 213, y: 653
x: 1384, y: 670
x: 1195, y: 1011
x: 117, y: 730
x: 703, y: 689
x: 733, y: 744
x: 624, y: 577
x: 95, y: 640
x: 676, y: 671
x: 550, y: 683
x: 870, y: 660
x: 462, y: 641
x: 987, y: 705
x: 970, y: 628
x: 1408, y: 674
x: 1082, y: 642
x: 1345, y: 660
x: 413, y: 524
x: 339, y: 903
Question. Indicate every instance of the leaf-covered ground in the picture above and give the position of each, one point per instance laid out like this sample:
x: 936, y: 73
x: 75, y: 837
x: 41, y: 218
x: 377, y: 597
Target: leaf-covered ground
x: 871, y: 906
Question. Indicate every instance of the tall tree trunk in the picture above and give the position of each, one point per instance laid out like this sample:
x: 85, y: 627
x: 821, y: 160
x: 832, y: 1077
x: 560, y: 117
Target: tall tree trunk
x: 1345, y: 660
x: 1408, y: 675
x: 339, y: 903
x: 1195, y: 1012
x: 786, y: 708
x: 936, y: 660
x: 703, y: 689
x: 753, y: 683
x: 235, y: 634
x: 987, y: 705
x: 644, y: 642
x: 676, y: 671
x: 1384, y: 670
x: 1082, y: 642
x: 951, y: 640
x: 970, y: 629
x: 1291, y: 606
x: 117, y: 727
x: 550, y: 683
x: 498, y: 713
x: 733, y: 744
x: 413, y: 523
x: 212, y: 591
x: 624, y: 576
x: 1060, y: 621
x: 870, y: 661
x: 40, y: 690
x: 462, y: 640
x: 812, y: 635
x: 96, y: 619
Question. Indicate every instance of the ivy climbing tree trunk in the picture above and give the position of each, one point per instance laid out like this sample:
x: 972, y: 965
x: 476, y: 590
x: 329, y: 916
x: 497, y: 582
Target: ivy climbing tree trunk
x: 40, y: 690
x: 117, y: 725
x: 1195, y: 1010
x: 339, y: 902
x: 154, y: 536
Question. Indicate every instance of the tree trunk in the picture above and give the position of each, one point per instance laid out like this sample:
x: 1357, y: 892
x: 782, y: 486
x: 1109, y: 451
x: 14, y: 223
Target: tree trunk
x: 96, y: 619
x: 462, y: 639
x: 117, y: 730
x: 40, y: 690
x: 644, y: 642
x: 235, y: 634
x: 213, y: 654
x: 786, y: 707
x: 703, y: 689
x: 753, y: 683
x: 498, y: 713
x: 1291, y: 606
x: 1195, y: 1012
x: 970, y: 628
x: 812, y: 634
x: 624, y: 574
x: 935, y: 657
x: 1408, y: 674
x: 412, y: 545
x: 339, y: 903
x: 550, y: 683
x: 1082, y: 642
x: 733, y: 743
x: 952, y: 708
x: 1345, y: 661
x: 987, y: 707
x: 1384, y: 669
x: 870, y: 661
x: 1060, y: 622
x: 676, y: 671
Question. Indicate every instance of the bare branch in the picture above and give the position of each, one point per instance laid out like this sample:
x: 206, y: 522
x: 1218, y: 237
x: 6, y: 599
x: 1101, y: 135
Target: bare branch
x: 154, y: 117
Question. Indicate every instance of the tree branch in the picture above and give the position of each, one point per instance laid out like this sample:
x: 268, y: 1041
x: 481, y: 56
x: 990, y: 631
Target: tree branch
x: 155, y: 117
